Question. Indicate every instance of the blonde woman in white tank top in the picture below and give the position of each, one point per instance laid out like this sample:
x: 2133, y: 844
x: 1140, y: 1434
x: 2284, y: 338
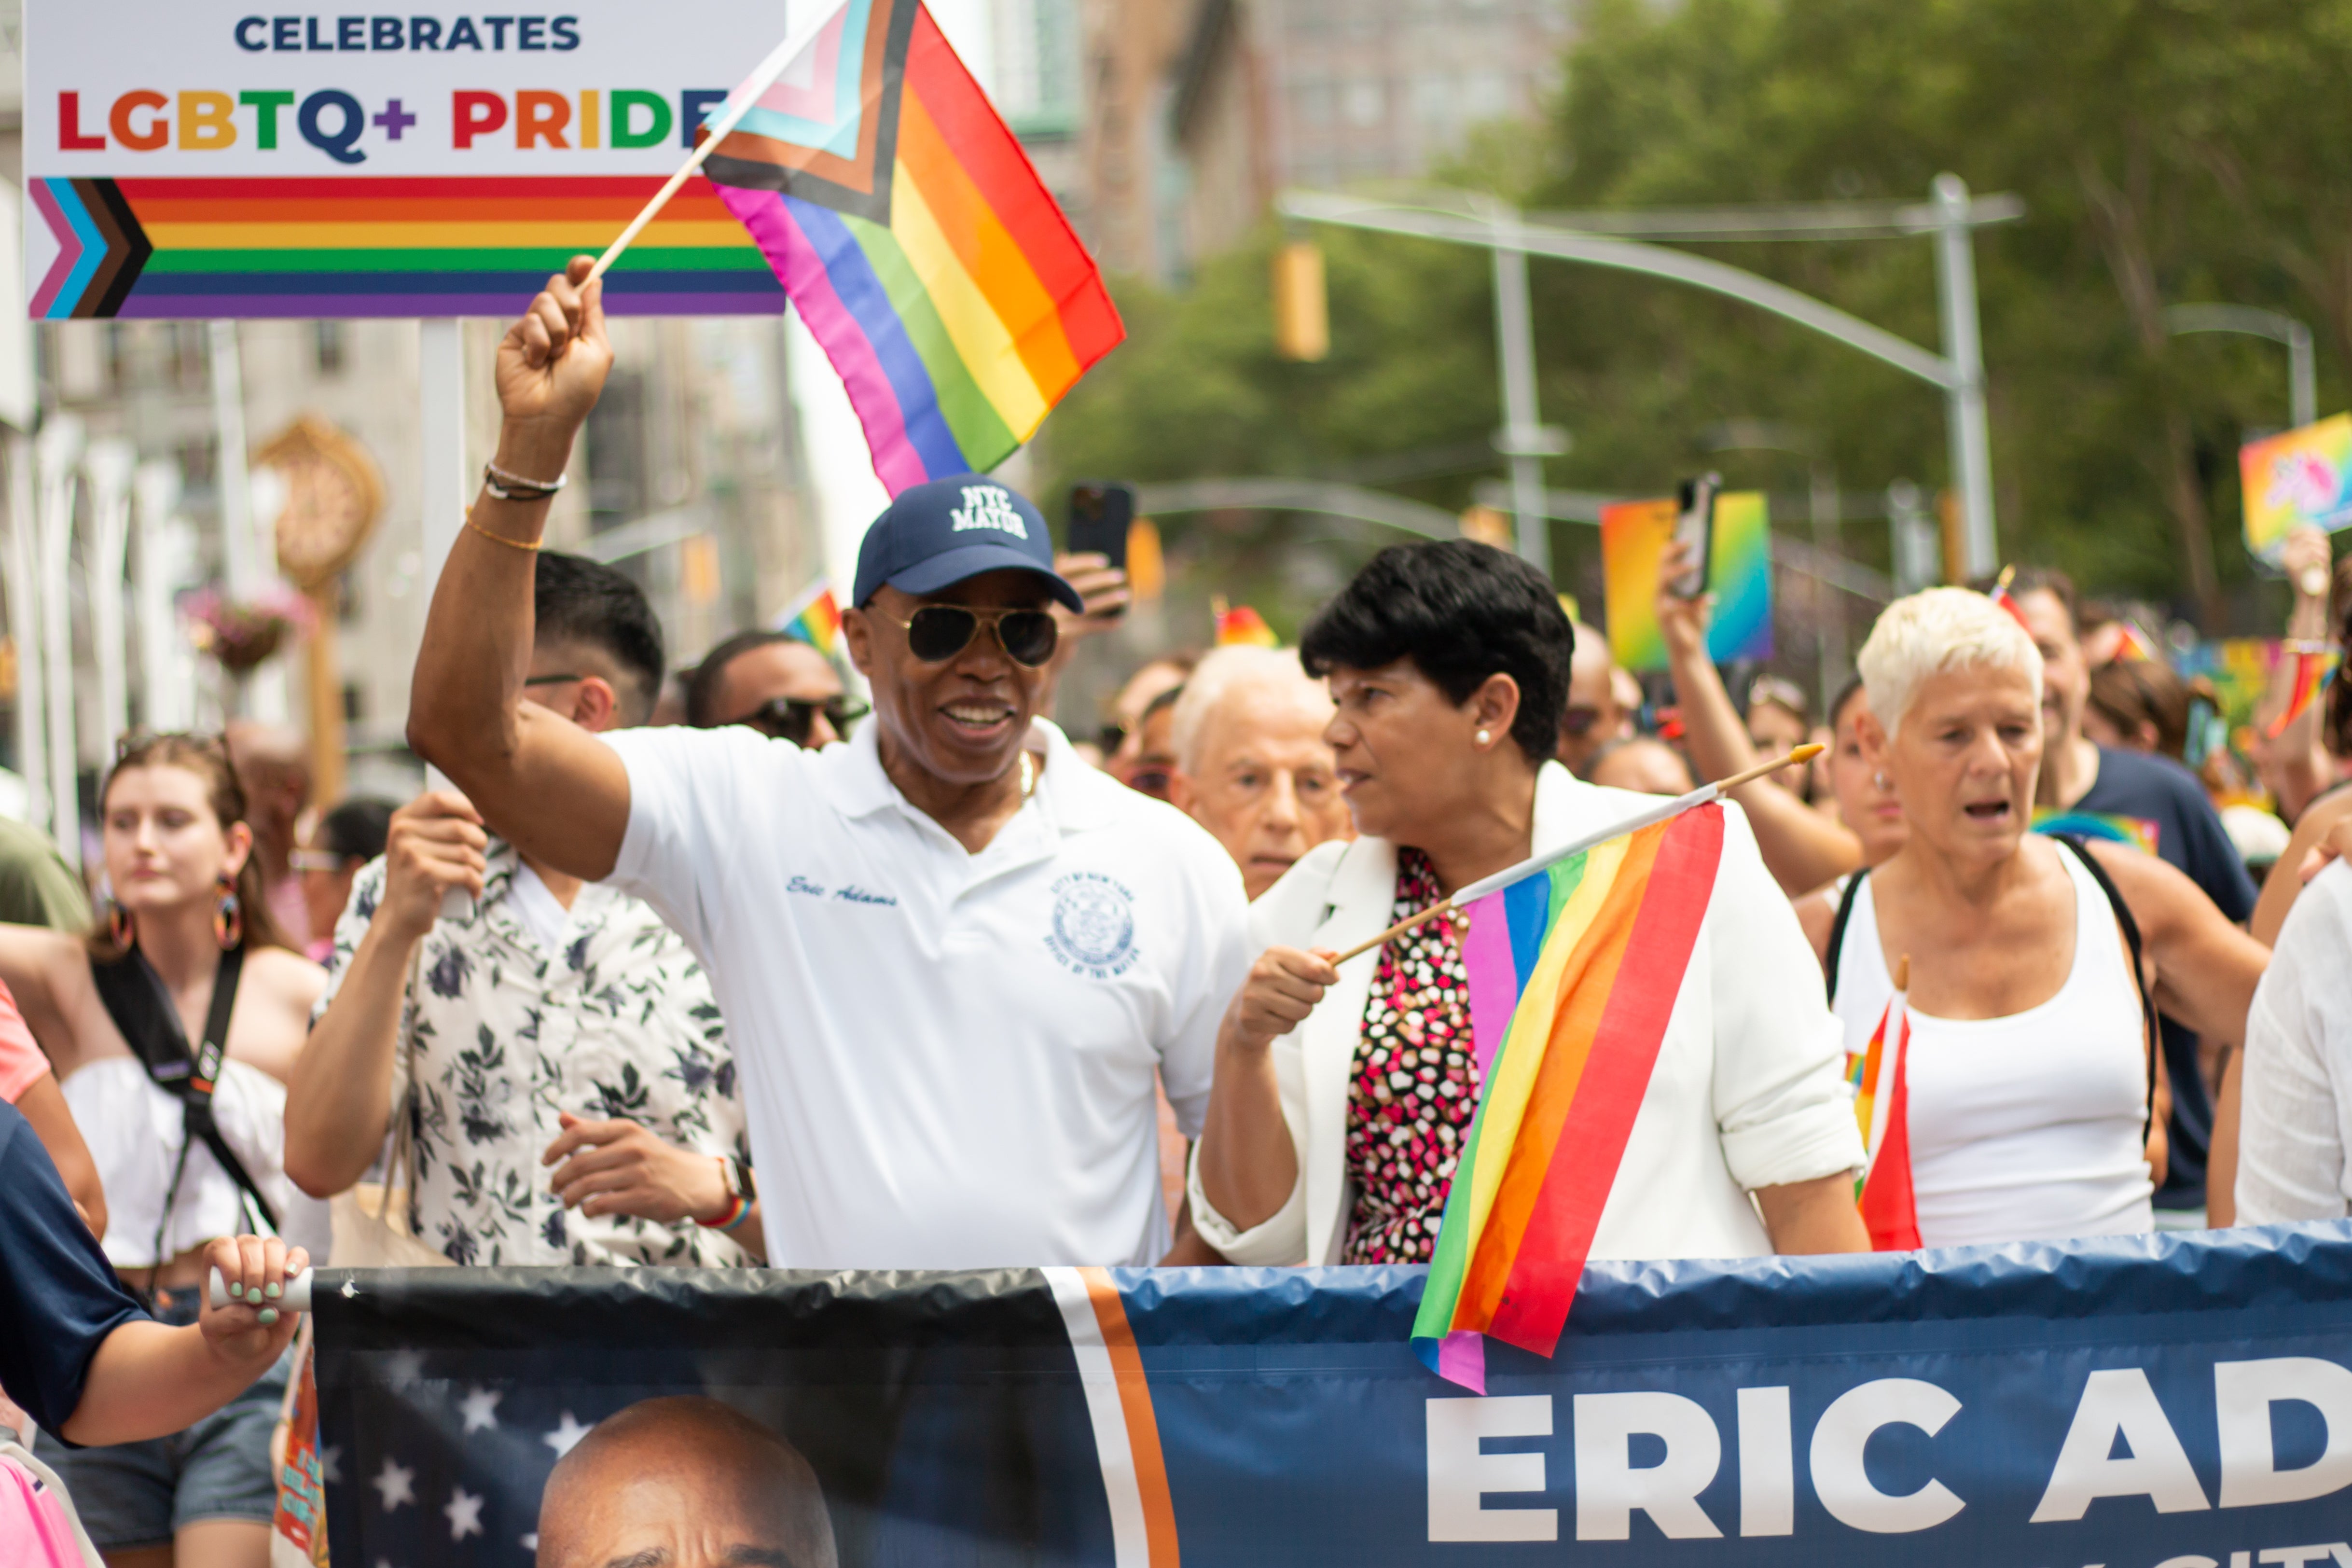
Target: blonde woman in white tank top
x: 2029, y: 1126
x: 2028, y: 1061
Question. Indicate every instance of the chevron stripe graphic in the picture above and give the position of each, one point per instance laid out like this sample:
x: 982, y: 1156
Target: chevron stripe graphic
x: 101, y: 249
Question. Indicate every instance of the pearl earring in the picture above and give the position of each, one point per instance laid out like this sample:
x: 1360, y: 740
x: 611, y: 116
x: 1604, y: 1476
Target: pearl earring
x: 1486, y: 738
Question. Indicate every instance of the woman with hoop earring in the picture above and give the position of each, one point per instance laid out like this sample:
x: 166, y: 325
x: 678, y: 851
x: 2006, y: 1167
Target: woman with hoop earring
x: 172, y: 1027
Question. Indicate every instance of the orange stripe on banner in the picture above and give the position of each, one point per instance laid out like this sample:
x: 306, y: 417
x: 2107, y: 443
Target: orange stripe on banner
x: 1586, y: 982
x: 1142, y: 1427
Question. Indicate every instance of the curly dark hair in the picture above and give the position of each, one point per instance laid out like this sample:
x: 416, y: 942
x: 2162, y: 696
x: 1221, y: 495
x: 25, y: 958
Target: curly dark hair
x: 1462, y: 611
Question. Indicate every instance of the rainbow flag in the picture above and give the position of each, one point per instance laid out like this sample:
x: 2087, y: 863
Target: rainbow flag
x: 814, y: 618
x: 2310, y: 676
x: 1881, y: 1078
x: 918, y: 242
x: 1573, y: 972
x: 2002, y: 596
x: 1245, y: 626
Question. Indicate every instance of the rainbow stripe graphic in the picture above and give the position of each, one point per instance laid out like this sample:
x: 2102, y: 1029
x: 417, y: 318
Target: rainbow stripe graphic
x: 917, y: 241
x: 391, y: 246
x: 1573, y: 973
x: 2108, y: 827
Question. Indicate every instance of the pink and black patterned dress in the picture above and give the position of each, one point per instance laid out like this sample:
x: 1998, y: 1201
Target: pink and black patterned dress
x: 1414, y: 1087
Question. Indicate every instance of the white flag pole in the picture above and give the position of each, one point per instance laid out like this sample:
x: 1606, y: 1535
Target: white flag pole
x: 1618, y: 830
x: 739, y: 103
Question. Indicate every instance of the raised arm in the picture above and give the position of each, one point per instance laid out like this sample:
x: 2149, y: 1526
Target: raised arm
x: 2206, y: 968
x: 339, y: 1102
x: 553, y: 790
x: 1802, y: 847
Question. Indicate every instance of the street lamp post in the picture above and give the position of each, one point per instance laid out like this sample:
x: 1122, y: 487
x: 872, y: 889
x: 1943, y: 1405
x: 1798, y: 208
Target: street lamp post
x: 2301, y: 371
x: 1590, y: 238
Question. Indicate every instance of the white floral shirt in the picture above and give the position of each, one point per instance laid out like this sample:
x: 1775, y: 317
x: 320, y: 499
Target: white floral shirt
x: 619, y: 1023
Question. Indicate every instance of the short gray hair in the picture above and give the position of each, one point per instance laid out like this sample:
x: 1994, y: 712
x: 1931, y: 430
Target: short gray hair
x: 1218, y: 675
x: 1933, y: 631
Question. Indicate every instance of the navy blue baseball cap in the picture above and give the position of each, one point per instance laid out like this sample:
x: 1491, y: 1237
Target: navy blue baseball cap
x: 940, y: 532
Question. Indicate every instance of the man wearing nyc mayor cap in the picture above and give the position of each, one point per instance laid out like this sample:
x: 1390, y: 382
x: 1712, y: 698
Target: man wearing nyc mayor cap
x: 951, y: 964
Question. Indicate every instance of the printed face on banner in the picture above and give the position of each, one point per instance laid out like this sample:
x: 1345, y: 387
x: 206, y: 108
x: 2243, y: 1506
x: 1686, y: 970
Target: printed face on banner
x: 209, y: 160
x: 2295, y: 479
x: 1634, y: 537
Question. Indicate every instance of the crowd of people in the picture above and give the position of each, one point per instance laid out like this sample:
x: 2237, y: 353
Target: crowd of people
x: 885, y: 971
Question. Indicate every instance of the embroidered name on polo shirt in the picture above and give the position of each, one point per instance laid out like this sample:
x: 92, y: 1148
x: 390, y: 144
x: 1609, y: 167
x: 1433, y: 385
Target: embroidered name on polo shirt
x: 986, y: 506
x: 1093, y: 927
x: 857, y: 895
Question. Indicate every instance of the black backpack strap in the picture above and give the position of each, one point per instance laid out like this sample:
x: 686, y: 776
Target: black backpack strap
x: 141, y: 1006
x: 1837, y: 927
x: 2082, y: 848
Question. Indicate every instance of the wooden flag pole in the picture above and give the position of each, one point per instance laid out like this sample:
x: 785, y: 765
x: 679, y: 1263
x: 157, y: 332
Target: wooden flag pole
x: 1699, y: 796
x: 739, y: 104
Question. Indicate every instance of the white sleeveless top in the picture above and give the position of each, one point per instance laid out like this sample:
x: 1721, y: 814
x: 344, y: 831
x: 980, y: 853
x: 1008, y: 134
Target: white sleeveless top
x: 134, y: 1133
x: 2027, y: 1128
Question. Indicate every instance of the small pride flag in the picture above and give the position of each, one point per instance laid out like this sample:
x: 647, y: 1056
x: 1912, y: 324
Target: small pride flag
x: 1243, y: 626
x: 814, y: 618
x: 2002, y: 596
x: 2310, y: 676
x: 1573, y: 972
x: 915, y: 240
x: 1881, y: 1078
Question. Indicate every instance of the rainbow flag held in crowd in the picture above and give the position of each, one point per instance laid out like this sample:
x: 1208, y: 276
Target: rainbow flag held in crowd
x: 814, y: 618
x: 1243, y: 626
x: 2310, y: 676
x: 917, y: 241
x: 1573, y: 972
x: 1881, y: 1078
x: 2004, y: 599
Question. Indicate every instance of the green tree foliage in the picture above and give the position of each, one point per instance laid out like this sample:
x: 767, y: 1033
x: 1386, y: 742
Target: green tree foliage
x: 2169, y: 151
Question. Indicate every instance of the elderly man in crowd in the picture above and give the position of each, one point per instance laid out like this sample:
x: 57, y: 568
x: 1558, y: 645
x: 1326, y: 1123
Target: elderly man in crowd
x: 1251, y: 765
x: 776, y: 683
x: 950, y: 968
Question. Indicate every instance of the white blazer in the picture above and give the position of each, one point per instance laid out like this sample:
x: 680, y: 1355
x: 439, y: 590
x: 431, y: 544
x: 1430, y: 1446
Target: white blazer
x: 1746, y: 1093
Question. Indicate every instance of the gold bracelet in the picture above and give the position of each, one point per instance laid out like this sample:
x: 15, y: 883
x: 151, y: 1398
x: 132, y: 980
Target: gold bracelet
x: 533, y: 545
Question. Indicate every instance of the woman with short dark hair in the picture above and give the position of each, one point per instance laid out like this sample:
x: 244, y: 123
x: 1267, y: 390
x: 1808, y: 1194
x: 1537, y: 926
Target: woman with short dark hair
x: 1343, y: 1095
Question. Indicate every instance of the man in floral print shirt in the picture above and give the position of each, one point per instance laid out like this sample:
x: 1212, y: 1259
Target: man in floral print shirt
x: 575, y: 1099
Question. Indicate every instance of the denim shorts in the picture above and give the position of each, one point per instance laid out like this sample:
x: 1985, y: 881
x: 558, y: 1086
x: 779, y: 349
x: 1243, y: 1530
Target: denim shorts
x: 141, y: 1494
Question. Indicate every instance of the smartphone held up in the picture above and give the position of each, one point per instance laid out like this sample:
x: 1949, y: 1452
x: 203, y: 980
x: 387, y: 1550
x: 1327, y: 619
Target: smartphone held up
x: 1695, y: 532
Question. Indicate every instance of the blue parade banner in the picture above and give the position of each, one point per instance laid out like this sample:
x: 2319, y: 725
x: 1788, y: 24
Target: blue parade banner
x: 2144, y: 1402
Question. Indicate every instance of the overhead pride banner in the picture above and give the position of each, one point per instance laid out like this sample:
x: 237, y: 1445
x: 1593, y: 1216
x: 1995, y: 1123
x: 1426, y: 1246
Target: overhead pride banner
x: 2183, y: 1401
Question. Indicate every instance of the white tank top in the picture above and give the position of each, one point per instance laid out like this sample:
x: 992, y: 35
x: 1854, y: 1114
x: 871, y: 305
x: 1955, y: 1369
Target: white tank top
x: 134, y: 1133
x: 2026, y: 1128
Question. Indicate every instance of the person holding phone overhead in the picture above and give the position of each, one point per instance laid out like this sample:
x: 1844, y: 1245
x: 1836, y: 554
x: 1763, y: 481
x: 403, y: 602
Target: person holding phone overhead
x: 1801, y: 848
x: 950, y: 967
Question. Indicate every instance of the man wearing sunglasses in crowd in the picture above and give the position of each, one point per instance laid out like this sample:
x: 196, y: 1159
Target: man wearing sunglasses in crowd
x: 774, y: 683
x: 951, y: 956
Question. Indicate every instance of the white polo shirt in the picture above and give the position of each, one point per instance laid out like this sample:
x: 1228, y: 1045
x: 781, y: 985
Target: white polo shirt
x: 947, y: 1058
